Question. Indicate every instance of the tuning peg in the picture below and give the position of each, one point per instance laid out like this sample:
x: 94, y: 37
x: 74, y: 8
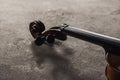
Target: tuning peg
x: 39, y: 41
x: 50, y: 38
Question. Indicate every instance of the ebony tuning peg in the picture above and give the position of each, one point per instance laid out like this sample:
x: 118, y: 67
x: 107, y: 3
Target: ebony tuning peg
x: 50, y: 38
x: 39, y: 41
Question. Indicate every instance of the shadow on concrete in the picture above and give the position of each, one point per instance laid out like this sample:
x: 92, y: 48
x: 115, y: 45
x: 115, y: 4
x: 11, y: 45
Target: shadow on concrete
x: 62, y: 67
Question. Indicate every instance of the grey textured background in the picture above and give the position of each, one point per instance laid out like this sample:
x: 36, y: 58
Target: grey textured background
x: 73, y: 59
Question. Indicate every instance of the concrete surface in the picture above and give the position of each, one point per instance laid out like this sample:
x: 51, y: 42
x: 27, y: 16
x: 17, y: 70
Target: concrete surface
x: 73, y: 59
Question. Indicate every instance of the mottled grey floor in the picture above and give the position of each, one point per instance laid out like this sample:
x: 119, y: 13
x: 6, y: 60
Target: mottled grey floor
x: 73, y: 59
